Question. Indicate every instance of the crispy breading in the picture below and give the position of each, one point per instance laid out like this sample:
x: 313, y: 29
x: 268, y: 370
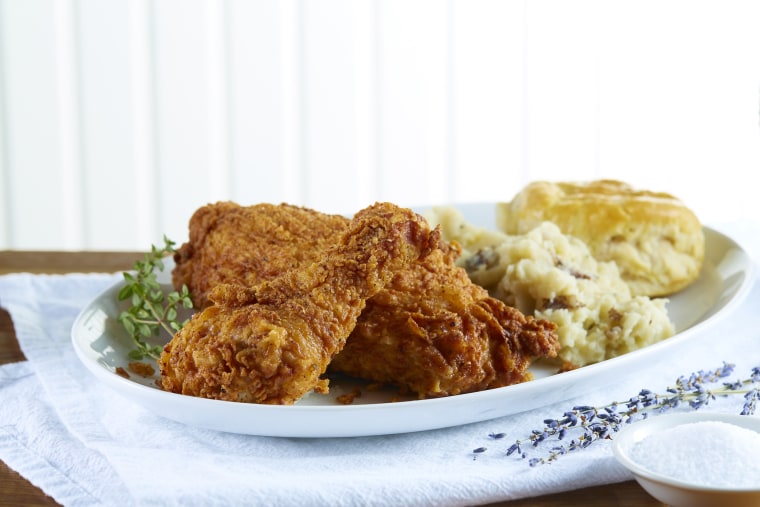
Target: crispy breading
x: 229, y: 243
x: 431, y: 331
x: 272, y: 343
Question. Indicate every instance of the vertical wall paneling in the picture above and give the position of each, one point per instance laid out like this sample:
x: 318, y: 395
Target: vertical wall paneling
x: 561, y: 41
x: 436, y: 47
x: 679, y: 113
x: 217, y: 77
x: 643, y: 94
x: 292, y: 55
x: 448, y: 168
x: 5, y: 208
x: 364, y: 57
x: 111, y: 189
x: 143, y: 178
x: 182, y: 65
x: 413, y: 101
x: 33, y: 144
x: 119, y: 118
x: 332, y: 51
x: 264, y: 111
x: 67, y: 71
x: 487, y: 80
x: 255, y: 112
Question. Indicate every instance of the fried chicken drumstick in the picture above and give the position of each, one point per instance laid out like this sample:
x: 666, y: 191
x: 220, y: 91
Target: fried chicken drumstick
x: 271, y: 343
x: 430, y: 330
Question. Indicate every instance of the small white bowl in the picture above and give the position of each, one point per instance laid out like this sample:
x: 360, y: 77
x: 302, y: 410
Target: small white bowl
x: 676, y: 492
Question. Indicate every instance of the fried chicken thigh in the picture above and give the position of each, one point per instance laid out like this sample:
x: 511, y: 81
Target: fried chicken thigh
x: 229, y: 243
x: 435, y: 333
x: 430, y: 330
x: 271, y: 343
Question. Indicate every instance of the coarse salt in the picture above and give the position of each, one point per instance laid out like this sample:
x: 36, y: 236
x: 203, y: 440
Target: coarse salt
x: 707, y: 453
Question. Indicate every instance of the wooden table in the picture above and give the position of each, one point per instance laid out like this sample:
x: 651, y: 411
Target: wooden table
x: 15, y: 490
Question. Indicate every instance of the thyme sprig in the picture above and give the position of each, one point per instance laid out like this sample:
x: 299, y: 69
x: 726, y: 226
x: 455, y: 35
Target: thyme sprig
x: 591, y: 424
x: 152, y: 309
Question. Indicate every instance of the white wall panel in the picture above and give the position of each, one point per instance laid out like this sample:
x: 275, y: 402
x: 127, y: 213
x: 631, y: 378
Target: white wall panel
x: 141, y: 134
x: 656, y: 123
x: 487, y: 86
x: 39, y: 211
x: 413, y: 102
x: 110, y: 187
x: 118, y: 118
x: 186, y: 60
x: 5, y: 211
x: 680, y: 105
x: 334, y: 172
x: 562, y: 45
x: 264, y: 113
x: 68, y: 88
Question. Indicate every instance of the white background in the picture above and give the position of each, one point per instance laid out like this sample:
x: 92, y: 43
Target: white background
x: 119, y: 118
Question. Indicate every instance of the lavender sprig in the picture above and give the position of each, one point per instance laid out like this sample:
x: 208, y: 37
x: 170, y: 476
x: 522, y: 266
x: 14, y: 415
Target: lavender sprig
x: 752, y: 396
x: 598, y: 423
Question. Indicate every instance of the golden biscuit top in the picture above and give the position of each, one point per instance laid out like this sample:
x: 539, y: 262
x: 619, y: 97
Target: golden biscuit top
x: 602, y: 205
x: 655, y: 239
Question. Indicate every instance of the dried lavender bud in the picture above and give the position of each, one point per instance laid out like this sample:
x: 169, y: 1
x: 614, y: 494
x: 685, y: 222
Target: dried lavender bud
x: 751, y: 399
x: 514, y: 448
x: 601, y: 423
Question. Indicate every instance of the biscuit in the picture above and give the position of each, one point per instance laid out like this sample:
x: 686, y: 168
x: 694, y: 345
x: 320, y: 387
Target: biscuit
x: 656, y: 241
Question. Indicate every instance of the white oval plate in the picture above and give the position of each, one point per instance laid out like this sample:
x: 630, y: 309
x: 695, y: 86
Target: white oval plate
x: 102, y: 346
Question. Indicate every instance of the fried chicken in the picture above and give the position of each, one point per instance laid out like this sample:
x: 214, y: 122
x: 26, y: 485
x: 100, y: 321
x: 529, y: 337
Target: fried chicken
x: 430, y: 331
x: 435, y: 333
x: 271, y: 343
x: 229, y: 243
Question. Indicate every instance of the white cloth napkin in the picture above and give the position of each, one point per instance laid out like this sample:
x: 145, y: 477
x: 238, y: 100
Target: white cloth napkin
x: 82, y: 444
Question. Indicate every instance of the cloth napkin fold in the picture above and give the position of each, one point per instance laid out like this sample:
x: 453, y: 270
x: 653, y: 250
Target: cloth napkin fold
x: 85, y: 445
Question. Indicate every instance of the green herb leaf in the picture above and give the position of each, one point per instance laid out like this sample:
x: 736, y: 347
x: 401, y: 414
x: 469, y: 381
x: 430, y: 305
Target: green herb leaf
x: 136, y: 355
x: 152, y: 310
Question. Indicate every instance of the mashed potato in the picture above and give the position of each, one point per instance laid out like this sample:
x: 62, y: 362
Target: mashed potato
x: 554, y: 277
